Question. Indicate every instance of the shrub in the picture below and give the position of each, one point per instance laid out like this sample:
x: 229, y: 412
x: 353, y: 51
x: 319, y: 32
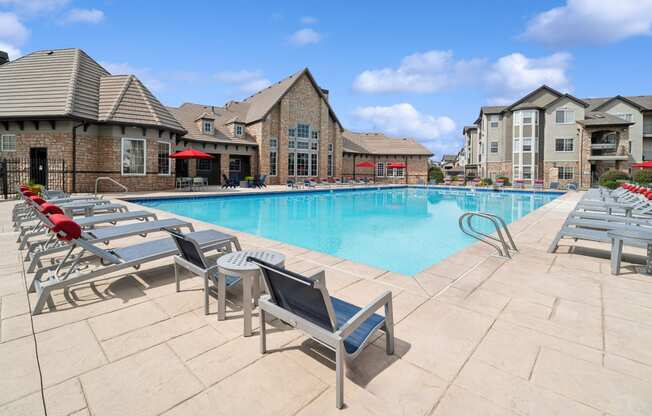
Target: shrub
x: 486, y: 182
x: 505, y: 180
x: 642, y: 176
x: 435, y: 174
x: 454, y: 178
x: 610, y: 178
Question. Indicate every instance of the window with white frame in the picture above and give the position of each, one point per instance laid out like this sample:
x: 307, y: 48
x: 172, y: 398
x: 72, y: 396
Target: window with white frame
x: 133, y: 156
x: 527, y: 144
x: 625, y: 116
x: 208, y: 126
x: 273, y: 155
x: 564, y: 145
x: 8, y: 143
x: 329, y: 169
x: 389, y: 172
x: 239, y: 130
x: 399, y: 172
x: 493, y: 147
x: 527, y: 172
x: 525, y: 140
x: 380, y: 169
x: 303, y: 155
x: 164, y: 166
x: 494, y: 120
x: 565, y: 172
x: 564, y: 116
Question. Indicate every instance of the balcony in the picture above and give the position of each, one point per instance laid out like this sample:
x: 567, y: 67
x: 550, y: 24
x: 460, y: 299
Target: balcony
x: 604, y: 146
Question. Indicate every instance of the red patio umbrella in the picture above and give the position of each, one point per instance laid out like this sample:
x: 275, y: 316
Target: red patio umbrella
x: 190, y: 154
x: 646, y: 164
x: 364, y: 165
x: 396, y: 165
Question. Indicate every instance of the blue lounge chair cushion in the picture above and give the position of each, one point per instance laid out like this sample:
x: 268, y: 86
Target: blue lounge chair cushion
x: 343, y: 312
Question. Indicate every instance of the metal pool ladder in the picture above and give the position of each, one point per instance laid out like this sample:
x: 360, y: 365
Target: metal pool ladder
x: 106, y: 178
x: 503, y: 243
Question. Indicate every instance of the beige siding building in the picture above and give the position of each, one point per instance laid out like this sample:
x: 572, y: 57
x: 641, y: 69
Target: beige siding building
x: 559, y: 138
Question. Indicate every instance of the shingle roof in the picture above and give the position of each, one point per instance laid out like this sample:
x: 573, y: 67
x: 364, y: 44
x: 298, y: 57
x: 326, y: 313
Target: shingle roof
x: 493, y: 109
x: 449, y: 158
x: 644, y: 102
x: 69, y: 83
x: 380, y: 144
x: 188, y: 113
x: 599, y: 118
x: 257, y: 106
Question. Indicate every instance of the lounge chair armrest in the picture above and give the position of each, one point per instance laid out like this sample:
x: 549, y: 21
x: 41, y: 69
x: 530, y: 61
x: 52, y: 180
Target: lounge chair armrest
x: 356, y: 320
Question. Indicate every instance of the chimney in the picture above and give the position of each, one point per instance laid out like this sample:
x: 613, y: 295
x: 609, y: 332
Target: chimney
x: 4, y: 57
x: 325, y: 92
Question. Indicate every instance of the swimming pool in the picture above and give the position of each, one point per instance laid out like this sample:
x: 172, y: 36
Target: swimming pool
x: 403, y: 230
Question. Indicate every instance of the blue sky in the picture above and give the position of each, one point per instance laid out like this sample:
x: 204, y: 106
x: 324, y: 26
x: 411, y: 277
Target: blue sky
x: 418, y: 69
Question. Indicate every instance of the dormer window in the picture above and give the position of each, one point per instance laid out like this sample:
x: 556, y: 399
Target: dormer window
x: 239, y: 130
x: 208, y: 126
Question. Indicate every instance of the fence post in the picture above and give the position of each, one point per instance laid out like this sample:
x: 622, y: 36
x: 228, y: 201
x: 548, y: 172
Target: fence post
x: 63, y: 176
x: 3, y: 173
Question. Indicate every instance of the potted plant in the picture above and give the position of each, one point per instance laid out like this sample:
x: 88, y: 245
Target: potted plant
x: 247, y: 182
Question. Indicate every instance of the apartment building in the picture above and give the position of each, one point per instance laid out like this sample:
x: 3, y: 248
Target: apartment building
x: 560, y: 138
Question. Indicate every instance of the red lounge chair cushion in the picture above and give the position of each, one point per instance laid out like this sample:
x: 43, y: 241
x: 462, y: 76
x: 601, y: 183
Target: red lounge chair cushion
x: 37, y: 199
x: 29, y: 194
x: 24, y: 188
x: 62, y: 223
x: 49, y: 209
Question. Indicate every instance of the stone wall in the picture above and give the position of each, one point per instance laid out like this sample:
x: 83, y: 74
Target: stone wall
x: 98, y: 153
x: 550, y: 176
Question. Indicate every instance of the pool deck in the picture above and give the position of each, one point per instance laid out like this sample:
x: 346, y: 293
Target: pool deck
x: 540, y: 334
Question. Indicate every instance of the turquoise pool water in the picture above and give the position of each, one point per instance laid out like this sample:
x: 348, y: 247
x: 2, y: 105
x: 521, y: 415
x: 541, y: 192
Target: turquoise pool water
x: 404, y: 230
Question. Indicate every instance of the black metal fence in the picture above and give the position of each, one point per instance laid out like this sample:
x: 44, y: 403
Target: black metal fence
x: 50, y: 173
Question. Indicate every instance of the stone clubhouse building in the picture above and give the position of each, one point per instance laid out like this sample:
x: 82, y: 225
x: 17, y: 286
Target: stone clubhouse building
x: 60, y: 107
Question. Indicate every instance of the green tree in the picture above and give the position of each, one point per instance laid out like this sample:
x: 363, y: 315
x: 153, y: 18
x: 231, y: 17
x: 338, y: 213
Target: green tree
x: 435, y: 174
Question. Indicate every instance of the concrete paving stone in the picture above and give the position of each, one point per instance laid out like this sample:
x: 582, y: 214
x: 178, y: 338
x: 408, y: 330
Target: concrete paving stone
x: 321, y: 259
x: 146, y: 337
x: 515, y: 349
x: 31, y: 405
x: 616, y: 295
x: 450, y: 269
x: 377, y: 372
x: 223, y: 361
x: 481, y: 300
x: 11, y: 282
x: 629, y: 367
x: 146, y: 383
x: 629, y: 311
x: 15, y: 327
x: 335, y: 279
x: 628, y: 339
x: 68, y: 351
x: 358, y: 402
x: 515, y: 394
x: 575, y: 322
x: 64, y: 399
x: 475, y: 277
x: 439, y: 337
x: 461, y: 402
x: 520, y: 293
x: 405, y: 282
x: 358, y: 269
x: 432, y: 283
x: 19, y: 376
x: 89, y: 300
x: 192, y: 344
x: 125, y: 320
x: 254, y: 389
x: 591, y: 383
x: 13, y: 305
x: 300, y: 265
x: 178, y: 303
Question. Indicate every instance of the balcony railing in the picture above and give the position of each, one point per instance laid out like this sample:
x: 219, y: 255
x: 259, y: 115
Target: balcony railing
x: 603, y: 146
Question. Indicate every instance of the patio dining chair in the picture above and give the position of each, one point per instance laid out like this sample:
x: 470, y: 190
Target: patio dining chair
x: 304, y: 303
x: 192, y: 258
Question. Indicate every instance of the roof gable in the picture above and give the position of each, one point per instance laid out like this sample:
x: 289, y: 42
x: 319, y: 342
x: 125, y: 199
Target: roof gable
x: 543, y: 88
x: 619, y: 98
x: 570, y: 97
x: 262, y: 102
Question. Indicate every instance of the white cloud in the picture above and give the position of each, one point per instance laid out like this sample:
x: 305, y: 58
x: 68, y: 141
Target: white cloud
x: 12, y: 31
x: 145, y: 75
x: 405, y: 120
x: 425, y: 72
x: 244, y: 80
x: 34, y: 6
x: 308, y: 20
x: 513, y: 75
x: 591, y: 21
x: 305, y: 37
x: 84, y: 16
x: 11, y: 50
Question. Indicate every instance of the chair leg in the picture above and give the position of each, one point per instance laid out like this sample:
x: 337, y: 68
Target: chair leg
x: 263, y: 333
x: 389, y: 328
x: 555, y: 243
x: 221, y: 297
x: 206, y: 294
x: 339, y: 375
x: 616, y: 254
x: 176, y: 277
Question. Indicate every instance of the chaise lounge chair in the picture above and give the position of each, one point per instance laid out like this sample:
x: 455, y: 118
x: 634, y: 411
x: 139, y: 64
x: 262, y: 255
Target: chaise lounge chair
x: 305, y: 303
x: 71, y: 271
